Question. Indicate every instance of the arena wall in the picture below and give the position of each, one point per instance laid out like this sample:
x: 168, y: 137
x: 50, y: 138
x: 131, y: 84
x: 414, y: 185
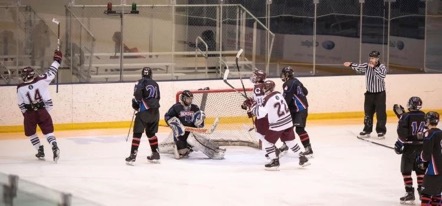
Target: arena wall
x: 82, y: 106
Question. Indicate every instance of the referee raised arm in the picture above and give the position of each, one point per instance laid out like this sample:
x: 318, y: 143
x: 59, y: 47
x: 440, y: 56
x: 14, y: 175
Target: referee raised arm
x: 375, y: 99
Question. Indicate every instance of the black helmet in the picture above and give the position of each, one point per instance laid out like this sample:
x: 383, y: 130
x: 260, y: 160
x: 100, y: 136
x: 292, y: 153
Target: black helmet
x: 27, y: 74
x: 414, y: 103
x: 186, y: 97
x: 375, y: 54
x: 432, y: 118
x: 146, y: 72
x: 287, y: 73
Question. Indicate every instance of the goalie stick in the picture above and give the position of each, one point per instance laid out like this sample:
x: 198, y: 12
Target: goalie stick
x: 203, y: 130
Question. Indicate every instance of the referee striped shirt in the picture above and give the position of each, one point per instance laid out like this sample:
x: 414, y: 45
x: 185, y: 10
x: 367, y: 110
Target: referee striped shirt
x: 374, y: 76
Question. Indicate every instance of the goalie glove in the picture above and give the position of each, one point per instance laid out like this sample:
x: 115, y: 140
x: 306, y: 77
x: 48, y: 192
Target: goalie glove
x: 176, y: 126
x: 198, y: 118
x: 398, y: 110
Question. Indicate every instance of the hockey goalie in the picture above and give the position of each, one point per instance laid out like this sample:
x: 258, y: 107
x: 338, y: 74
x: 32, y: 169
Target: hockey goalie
x: 187, y: 123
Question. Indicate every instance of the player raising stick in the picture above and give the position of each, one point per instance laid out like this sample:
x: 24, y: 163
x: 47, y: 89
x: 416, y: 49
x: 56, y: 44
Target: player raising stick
x: 262, y: 124
x: 275, y: 108
x: 35, y: 102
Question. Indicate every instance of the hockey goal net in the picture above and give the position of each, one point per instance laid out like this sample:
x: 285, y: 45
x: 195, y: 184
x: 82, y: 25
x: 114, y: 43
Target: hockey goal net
x: 234, y: 128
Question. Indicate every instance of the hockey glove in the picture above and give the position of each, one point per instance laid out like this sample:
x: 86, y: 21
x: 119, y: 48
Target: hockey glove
x: 58, y: 56
x: 198, y: 119
x: 421, y: 165
x: 135, y: 104
x: 398, y: 110
x: 399, y: 147
x: 247, y: 103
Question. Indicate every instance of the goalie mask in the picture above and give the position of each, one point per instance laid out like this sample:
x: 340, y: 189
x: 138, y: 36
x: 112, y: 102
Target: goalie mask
x: 414, y: 104
x: 27, y: 74
x: 269, y: 86
x: 431, y: 118
x: 287, y: 73
x: 186, y: 97
x: 258, y: 76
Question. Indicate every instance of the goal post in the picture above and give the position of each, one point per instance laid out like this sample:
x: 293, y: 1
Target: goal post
x: 234, y: 127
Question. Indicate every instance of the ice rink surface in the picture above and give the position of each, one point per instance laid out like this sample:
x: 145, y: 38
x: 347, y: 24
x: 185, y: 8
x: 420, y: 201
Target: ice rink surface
x: 344, y: 171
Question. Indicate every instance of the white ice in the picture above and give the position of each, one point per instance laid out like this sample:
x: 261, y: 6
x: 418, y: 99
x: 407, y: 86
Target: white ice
x: 344, y: 171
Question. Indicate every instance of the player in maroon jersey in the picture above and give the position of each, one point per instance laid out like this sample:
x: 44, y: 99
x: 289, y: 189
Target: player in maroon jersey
x: 34, y: 101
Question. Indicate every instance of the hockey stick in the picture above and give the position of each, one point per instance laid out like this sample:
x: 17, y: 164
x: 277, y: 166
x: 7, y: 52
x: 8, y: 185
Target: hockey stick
x: 239, y: 72
x: 58, y: 44
x: 130, y: 127
x: 226, y: 74
x: 376, y: 143
x: 203, y: 130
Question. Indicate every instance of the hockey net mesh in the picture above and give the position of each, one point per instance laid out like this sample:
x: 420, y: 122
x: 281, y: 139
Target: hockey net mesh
x: 234, y: 127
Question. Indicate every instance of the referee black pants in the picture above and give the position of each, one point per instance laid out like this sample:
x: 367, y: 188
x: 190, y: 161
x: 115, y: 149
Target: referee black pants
x: 375, y: 103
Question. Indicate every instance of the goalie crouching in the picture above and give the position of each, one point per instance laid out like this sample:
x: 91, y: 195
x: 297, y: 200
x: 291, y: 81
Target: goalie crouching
x: 183, y: 117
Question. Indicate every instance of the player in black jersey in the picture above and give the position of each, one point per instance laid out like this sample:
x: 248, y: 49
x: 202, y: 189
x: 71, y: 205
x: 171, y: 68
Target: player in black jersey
x: 295, y: 94
x: 431, y: 161
x: 187, y: 114
x: 410, y: 125
x: 147, y: 102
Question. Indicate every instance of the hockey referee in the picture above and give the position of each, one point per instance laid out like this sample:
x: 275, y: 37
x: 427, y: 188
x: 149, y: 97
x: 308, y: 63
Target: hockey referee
x: 375, y: 99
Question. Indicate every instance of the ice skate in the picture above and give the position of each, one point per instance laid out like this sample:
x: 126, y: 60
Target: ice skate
x: 308, y: 151
x: 408, y: 198
x: 419, y: 192
x: 364, y: 134
x: 381, y: 135
x: 154, y: 157
x: 273, y: 165
x: 131, y: 159
x: 303, y: 160
x: 41, y: 153
x: 56, y: 152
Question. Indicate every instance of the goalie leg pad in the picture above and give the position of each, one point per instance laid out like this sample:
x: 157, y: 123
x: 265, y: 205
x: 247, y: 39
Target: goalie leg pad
x: 208, y: 147
x: 176, y: 126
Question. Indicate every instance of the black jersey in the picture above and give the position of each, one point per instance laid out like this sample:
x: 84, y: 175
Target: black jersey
x: 432, y: 151
x: 410, y: 123
x: 184, y: 113
x: 147, y: 93
x: 295, y: 94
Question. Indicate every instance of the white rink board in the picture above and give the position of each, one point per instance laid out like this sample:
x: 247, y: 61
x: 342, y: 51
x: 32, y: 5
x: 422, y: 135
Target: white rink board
x: 79, y: 103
